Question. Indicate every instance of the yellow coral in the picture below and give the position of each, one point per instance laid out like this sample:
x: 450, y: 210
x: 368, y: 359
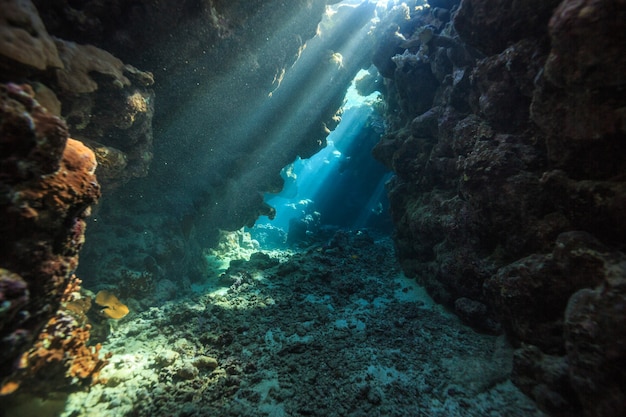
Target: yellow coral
x: 113, y: 308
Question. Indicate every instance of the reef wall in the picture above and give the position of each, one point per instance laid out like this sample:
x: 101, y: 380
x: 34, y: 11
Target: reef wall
x: 66, y: 110
x: 48, y: 185
x: 506, y: 131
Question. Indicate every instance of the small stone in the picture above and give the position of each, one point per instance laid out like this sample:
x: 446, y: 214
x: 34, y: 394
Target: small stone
x: 165, y: 358
x: 113, y: 381
x: 187, y: 371
x: 205, y: 362
x: 374, y: 396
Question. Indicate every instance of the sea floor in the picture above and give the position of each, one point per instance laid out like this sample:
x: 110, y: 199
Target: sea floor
x: 333, y: 330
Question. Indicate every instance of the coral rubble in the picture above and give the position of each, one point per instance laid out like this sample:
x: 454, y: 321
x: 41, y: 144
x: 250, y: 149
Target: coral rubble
x: 335, y: 330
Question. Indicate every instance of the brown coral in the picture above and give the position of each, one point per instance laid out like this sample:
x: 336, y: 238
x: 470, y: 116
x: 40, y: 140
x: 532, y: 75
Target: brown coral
x: 23, y: 37
x: 81, y: 61
x: 111, y: 161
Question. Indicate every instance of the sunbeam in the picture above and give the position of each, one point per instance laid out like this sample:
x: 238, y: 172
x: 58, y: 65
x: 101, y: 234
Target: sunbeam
x: 341, y: 184
x: 272, y: 126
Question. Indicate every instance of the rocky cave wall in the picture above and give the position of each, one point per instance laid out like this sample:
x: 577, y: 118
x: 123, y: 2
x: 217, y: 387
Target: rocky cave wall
x: 506, y: 131
x: 215, y: 128
x: 48, y: 184
x: 74, y: 63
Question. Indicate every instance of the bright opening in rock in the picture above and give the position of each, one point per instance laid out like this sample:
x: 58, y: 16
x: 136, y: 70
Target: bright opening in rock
x: 341, y: 186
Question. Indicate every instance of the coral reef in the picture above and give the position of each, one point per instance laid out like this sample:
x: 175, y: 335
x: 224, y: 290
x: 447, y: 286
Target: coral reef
x: 510, y: 186
x: 48, y: 185
x: 60, y: 357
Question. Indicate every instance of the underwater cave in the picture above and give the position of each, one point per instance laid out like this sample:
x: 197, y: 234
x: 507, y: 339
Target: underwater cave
x: 312, y: 208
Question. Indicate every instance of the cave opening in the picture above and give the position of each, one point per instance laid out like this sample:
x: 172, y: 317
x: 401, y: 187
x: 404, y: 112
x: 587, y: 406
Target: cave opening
x: 341, y: 186
x: 220, y: 157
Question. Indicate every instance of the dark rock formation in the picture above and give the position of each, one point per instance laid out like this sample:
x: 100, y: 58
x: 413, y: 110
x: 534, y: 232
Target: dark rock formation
x: 47, y: 186
x: 511, y: 187
x: 108, y: 105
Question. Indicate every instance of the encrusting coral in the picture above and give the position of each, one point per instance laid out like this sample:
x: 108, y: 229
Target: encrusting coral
x: 48, y: 185
x: 61, y: 352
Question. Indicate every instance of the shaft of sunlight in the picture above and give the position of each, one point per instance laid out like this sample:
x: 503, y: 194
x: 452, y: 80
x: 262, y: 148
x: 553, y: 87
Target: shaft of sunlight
x: 240, y: 135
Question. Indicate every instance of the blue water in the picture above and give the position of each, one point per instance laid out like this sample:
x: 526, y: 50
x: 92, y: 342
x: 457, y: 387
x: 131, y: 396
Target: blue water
x: 340, y: 186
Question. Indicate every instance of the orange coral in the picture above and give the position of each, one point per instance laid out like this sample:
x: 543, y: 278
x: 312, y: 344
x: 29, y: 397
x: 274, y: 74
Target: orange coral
x: 62, y: 343
x: 79, y: 308
x: 113, y: 308
x: 9, y: 388
x: 59, y: 342
x: 73, y: 288
x: 74, y: 302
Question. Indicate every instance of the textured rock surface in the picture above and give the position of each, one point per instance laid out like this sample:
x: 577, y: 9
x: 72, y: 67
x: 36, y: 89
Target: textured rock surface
x: 595, y: 323
x: 47, y: 182
x: 510, y: 184
x: 25, y: 40
x: 107, y: 104
x: 48, y: 185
